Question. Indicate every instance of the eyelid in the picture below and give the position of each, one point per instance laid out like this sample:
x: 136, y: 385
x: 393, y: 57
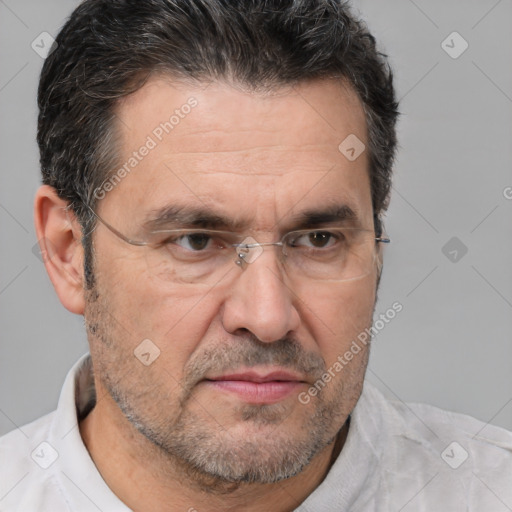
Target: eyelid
x: 324, y: 229
x: 301, y: 232
x: 238, y: 237
x: 188, y: 231
x: 171, y: 235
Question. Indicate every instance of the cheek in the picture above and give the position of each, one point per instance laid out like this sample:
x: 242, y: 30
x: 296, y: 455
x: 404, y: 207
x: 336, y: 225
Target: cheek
x: 336, y: 319
x: 175, y: 318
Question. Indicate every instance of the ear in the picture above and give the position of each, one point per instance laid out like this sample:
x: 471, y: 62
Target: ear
x: 59, y: 236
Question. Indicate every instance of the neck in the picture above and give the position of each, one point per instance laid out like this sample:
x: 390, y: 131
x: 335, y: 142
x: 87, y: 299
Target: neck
x: 145, y: 478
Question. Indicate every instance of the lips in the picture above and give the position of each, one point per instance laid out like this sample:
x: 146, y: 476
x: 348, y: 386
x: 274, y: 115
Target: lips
x: 257, y: 387
x: 252, y: 376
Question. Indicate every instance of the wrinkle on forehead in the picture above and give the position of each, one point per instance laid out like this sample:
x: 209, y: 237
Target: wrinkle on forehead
x: 324, y: 106
x: 245, y: 152
x: 279, y: 148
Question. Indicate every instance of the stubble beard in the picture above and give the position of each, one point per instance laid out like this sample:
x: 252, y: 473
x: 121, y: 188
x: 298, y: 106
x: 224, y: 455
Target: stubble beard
x: 194, y: 443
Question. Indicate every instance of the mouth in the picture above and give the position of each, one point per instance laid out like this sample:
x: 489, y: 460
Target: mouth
x: 257, y: 387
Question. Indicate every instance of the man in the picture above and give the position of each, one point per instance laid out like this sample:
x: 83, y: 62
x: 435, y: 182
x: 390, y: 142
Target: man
x: 215, y: 176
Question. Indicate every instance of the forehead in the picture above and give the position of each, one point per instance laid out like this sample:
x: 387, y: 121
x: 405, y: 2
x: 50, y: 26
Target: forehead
x: 227, y: 149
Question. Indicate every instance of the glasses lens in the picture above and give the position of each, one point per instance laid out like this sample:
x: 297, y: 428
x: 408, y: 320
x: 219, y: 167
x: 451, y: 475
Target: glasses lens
x: 187, y: 256
x: 336, y: 255
x: 206, y: 257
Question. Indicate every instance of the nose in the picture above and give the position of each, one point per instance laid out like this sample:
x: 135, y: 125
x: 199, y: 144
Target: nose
x: 260, y: 301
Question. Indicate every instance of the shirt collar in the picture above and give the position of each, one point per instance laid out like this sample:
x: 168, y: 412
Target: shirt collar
x: 78, y: 477
x: 353, y: 479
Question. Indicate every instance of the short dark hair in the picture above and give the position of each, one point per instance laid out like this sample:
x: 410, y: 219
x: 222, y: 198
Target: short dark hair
x: 108, y: 49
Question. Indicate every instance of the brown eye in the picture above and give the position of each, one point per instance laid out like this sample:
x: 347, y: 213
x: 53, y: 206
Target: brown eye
x: 314, y: 239
x: 192, y: 242
x: 320, y: 239
x: 198, y: 241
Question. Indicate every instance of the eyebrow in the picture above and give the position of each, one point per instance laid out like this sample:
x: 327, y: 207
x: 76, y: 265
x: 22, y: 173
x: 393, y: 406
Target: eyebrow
x: 173, y: 216
x: 330, y: 214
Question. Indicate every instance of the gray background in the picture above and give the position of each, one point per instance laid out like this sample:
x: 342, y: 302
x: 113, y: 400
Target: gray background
x: 450, y: 346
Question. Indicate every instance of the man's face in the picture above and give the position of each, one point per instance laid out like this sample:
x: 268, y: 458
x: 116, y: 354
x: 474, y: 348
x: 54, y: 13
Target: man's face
x: 262, y: 161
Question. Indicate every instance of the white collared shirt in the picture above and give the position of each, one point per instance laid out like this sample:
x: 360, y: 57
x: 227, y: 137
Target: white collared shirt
x: 397, y: 457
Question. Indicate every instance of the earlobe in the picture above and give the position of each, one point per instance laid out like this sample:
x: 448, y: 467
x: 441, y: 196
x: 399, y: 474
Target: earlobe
x: 59, y: 236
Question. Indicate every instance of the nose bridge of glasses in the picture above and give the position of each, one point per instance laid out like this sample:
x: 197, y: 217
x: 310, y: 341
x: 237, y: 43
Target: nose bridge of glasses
x: 249, y: 250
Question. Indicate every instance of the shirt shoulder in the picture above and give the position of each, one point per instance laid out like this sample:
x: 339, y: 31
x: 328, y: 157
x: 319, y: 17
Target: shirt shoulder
x: 27, y: 482
x: 432, y: 453
x: 425, y: 424
x: 45, y: 465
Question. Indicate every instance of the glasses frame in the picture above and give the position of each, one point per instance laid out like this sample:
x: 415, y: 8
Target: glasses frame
x: 239, y: 246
